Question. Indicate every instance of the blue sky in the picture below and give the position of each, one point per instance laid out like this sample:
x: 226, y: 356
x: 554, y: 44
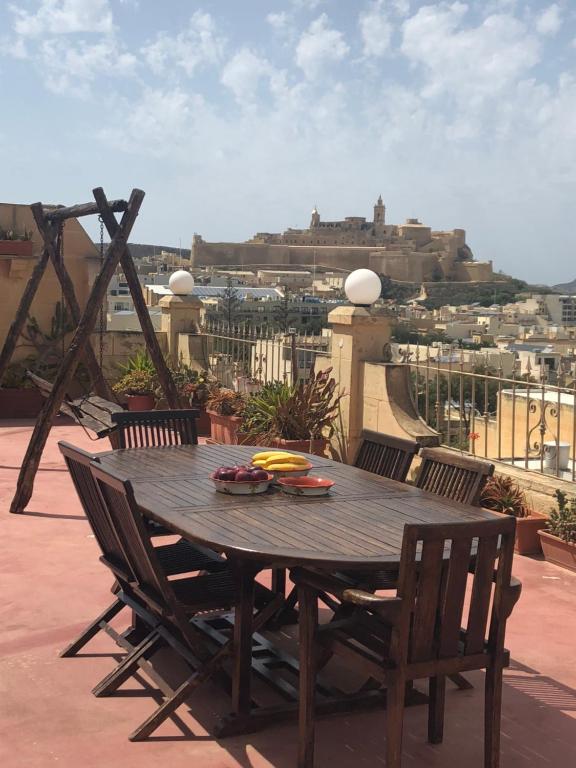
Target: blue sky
x: 237, y: 116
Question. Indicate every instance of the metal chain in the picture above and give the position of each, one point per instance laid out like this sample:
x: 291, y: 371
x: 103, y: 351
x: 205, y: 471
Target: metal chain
x: 101, y: 329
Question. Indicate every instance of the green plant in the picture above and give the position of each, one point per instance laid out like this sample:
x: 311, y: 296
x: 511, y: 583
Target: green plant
x: 191, y: 384
x: 140, y: 362
x: 136, y: 383
x: 10, y: 234
x: 502, y: 494
x: 226, y: 402
x: 303, y: 411
x: 562, y: 520
x: 15, y: 376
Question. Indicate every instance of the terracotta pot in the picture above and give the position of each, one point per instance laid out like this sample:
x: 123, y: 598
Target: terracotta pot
x: 527, y: 539
x: 16, y: 247
x: 224, y: 429
x: 140, y: 402
x: 557, y: 551
x: 317, y: 447
x: 202, y: 422
x: 20, y: 403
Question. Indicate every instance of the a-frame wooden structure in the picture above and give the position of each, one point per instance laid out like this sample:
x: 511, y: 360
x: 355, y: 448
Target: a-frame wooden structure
x: 49, y: 221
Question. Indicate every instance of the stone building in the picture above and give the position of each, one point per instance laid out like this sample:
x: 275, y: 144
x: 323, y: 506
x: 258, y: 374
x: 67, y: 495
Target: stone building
x: 411, y: 252
x: 19, y: 257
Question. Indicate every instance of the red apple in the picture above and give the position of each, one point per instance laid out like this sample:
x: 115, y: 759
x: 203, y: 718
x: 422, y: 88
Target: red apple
x: 260, y: 474
x: 225, y: 473
x: 243, y: 476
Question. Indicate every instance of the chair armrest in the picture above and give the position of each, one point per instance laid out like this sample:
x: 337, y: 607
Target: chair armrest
x: 386, y: 607
x: 511, y: 595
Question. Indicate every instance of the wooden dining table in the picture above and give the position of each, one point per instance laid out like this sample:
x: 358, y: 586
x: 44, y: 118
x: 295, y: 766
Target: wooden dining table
x: 357, y: 526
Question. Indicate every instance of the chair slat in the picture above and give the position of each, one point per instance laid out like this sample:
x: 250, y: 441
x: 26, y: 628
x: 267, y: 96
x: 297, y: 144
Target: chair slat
x: 460, y: 478
x: 481, y: 593
x: 386, y: 455
x: 428, y: 593
x: 453, y: 599
x: 138, y: 429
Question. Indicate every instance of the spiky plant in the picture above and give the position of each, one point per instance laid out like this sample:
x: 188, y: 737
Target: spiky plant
x: 502, y: 494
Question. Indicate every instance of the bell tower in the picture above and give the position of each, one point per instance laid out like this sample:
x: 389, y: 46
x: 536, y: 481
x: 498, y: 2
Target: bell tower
x: 379, y: 214
x: 315, y: 220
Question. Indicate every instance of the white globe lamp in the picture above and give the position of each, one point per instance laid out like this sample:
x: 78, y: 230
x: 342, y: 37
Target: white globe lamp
x: 363, y: 287
x: 181, y: 282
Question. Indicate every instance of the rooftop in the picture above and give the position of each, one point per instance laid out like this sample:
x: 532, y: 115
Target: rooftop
x: 53, y: 585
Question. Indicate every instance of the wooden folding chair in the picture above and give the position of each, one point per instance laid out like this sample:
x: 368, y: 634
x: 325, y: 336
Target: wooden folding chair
x: 447, y: 474
x: 139, y: 429
x: 424, y: 631
x: 174, y: 604
x: 386, y: 455
x: 180, y: 557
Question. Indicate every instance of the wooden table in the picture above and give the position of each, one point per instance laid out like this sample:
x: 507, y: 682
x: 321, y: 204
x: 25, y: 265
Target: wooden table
x: 358, y: 526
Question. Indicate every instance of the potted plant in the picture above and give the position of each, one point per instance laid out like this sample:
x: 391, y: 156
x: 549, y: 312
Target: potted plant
x: 298, y: 417
x: 138, y: 388
x: 559, y: 537
x: 14, y: 243
x: 19, y: 399
x: 194, y: 389
x: 225, y: 408
x: 502, y: 494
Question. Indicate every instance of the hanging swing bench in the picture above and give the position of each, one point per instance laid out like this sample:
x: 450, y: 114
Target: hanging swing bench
x: 91, y: 412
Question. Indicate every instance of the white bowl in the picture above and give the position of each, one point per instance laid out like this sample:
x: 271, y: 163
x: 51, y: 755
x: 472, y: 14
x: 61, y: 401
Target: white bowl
x: 242, y: 487
x: 301, y: 472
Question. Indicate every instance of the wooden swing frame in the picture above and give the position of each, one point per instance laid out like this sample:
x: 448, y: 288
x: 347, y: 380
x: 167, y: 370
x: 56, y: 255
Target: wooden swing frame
x: 49, y: 220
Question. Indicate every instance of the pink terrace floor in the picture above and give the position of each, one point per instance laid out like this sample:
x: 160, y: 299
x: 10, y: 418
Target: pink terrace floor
x: 52, y: 585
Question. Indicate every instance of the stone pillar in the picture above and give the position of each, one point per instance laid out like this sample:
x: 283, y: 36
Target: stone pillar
x: 358, y: 335
x: 180, y: 315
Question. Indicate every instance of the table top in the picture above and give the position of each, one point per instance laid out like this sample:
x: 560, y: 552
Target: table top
x: 359, y: 524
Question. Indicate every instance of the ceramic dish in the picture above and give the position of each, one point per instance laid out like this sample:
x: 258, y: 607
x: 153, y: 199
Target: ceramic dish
x: 305, y: 486
x: 300, y: 472
x: 242, y: 487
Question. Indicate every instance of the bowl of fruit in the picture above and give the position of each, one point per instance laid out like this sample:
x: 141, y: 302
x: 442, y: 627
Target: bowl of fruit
x: 282, y: 464
x: 241, y: 480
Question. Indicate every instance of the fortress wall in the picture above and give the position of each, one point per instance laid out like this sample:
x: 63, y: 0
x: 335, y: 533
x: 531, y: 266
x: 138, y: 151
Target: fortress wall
x: 474, y: 271
x: 413, y: 267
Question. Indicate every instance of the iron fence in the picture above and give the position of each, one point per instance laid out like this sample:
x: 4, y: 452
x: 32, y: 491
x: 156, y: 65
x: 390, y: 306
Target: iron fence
x: 245, y: 358
x: 478, y: 406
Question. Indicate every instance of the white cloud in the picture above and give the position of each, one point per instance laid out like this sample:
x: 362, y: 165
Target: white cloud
x: 195, y: 47
x: 550, y: 20
x: 278, y: 21
x: 63, y: 17
x: 308, y: 5
x: 246, y: 72
x: 468, y: 63
x: 156, y: 124
x: 71, y: 69
x: 375, y: 29
x: 320, y: 46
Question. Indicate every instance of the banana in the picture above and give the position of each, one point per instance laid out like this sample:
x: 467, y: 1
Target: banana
x: 283, y: 467
x: 288, y: 459
x: 265, y: 455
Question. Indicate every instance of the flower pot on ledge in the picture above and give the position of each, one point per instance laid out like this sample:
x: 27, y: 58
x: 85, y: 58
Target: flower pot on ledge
x: 557, y: 551
x: 527, y: 541
x: 20, y: 403
x: 141, y: 402
x: 22, y: 248
x: 224, y: 429
x: 317, y: 447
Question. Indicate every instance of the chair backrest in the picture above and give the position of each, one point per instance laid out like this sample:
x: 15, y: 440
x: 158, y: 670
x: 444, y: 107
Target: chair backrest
x: 140, y: 429
x: 433, y: 580
x: 386, y: 455
x: 460, y: 478
x: 118, y: 496
x: 78, y: 463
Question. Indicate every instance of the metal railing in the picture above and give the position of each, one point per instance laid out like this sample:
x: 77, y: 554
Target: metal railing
x: 477, y: 406
x: 245, y: 358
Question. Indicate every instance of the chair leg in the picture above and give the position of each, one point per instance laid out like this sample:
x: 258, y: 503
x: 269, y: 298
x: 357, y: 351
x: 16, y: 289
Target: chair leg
x: 127, y: 666
x: 437, y: 695
x: 308, y: 621
x: 492, y: 715
x: 180, y: 695
x: 395, y: 697
x: 92, y: 629
x: 461, y: 682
